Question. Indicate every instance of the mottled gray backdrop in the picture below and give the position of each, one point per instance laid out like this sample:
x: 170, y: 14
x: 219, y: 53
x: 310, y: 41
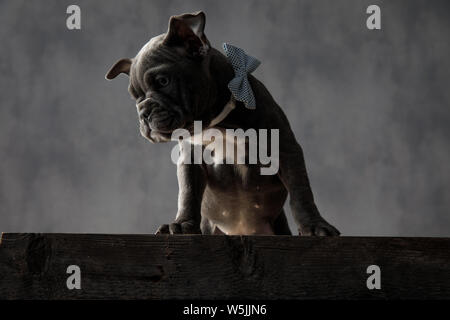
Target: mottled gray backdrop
x: 371, y: 109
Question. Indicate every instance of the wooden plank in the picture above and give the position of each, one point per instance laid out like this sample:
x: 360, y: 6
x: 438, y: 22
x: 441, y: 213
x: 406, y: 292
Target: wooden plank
x: 33, y: 266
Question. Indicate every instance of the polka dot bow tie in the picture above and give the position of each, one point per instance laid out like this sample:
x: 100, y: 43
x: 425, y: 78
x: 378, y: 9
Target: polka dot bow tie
x: 243, y: 64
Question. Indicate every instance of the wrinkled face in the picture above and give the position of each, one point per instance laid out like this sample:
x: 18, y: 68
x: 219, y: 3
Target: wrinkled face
x: 167, y: 87
x: 169, y: 78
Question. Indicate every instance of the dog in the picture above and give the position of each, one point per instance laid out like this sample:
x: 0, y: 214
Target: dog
x: 178, y: 78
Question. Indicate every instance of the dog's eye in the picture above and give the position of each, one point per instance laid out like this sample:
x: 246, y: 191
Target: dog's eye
x: 162, y: 81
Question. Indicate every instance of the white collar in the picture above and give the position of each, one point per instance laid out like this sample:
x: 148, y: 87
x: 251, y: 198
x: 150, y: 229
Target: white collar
x: 224, y: 113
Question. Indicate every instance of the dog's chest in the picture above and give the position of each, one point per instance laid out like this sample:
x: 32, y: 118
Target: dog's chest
x: 236, y: 197
x: 221, y: 147
x: 230, y: 160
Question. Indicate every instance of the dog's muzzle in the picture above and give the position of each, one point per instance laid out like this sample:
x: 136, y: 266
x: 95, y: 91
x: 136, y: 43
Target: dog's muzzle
x: 157, y: 120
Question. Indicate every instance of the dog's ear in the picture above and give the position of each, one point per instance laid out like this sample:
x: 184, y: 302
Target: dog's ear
x: 121, y: 66
x: 187, y: 31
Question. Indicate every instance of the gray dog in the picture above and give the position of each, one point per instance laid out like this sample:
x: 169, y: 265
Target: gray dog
x: 176, y: 79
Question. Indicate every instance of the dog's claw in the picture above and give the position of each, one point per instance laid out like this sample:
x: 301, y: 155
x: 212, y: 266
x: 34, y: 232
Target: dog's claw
x: 178, y: 228
x: 318, y: 228
x: 164, y: 229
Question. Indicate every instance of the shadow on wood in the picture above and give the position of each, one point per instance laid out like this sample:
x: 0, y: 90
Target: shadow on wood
x: 33, y: 266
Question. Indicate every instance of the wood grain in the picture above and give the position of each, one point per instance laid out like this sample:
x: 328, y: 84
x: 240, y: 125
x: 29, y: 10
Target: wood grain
x: 33, y: 266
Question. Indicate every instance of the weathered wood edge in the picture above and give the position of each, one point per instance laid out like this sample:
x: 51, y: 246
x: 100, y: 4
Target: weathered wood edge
x: 32, y: 266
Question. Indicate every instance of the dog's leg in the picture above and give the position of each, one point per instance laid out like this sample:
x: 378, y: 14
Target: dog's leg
x: 206, y: 227
x: 191, y: 183
x: 292, y: 172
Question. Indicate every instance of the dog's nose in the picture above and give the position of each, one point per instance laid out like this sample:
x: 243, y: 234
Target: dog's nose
x: 141, y: 105
x: 143, y: 109
x: 144, y: 113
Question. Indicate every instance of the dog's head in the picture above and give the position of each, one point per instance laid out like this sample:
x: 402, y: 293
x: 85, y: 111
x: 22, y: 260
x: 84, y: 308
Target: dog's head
x: 170, y: 78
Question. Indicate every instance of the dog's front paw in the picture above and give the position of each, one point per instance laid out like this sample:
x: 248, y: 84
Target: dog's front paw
x: 186, y: 227
x: 318, y: 227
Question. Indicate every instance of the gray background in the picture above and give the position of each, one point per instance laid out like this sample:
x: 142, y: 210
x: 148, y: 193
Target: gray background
x: 370, y: 108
